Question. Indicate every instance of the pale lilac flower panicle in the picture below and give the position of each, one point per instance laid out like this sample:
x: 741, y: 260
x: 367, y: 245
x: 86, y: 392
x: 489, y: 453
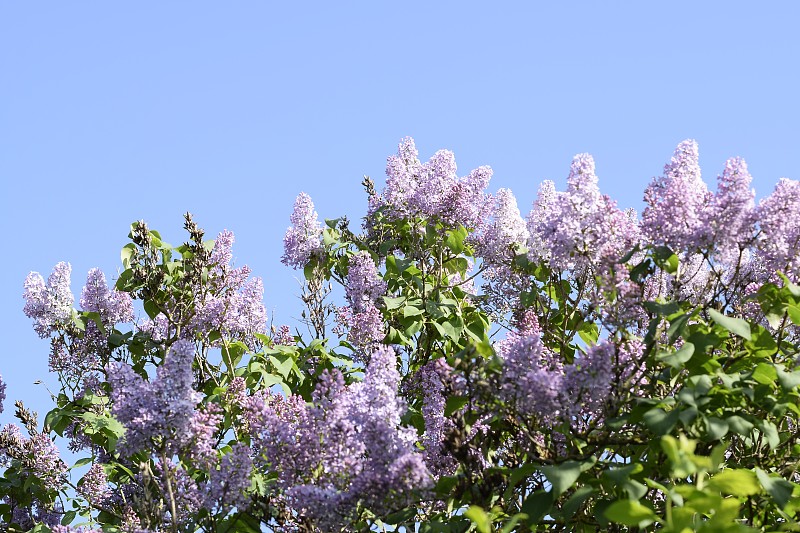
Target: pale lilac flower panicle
x: 467, y: 202
x: 538, y: 245
x: 227, y: 484
x: 402, y: 177
x: 588, y: 379
x: 49, y: 305
x: 363, y: 328
x: 303, y: 237
x: 779, y: 241
x: 496, y: 241
x: 532, y: 377
x: 2, y: 393
x: 431, y: 380
x: 283, y: 337
x: 732, y: 215
x: 113, y: 306
x: 222, y: 253
x: 346, y: 448
x: 437, y: 178
x: 94, y: 485
x: 161, y: 411
x: 677, y: 203
x: 432, y: 189
x: 364, y: 285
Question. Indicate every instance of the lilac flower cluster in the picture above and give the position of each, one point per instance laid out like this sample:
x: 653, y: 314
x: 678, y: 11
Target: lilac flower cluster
x: 362, y: 320
x: 157, y: 414
x: 580, y: 227
x: 364, y: 284
x: 283, y: 336
x: 539, y: 384
x: 433, y: 189
x: 433, y: 380
x: 362, y: 329
x: 676, y: 202
x: 112, y: 306
x: 303, y: 237
x: 346, y: 448
x: 229, y: 303
x: 496, y: 240
x: 37, y: 459
x: 94, y: 485
x: 779, y: 241
x: 50, y: 304
x: 2, y: 393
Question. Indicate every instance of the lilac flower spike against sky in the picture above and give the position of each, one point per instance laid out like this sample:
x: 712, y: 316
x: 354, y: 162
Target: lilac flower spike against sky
x: 302, y: 239
x: 49, y: 304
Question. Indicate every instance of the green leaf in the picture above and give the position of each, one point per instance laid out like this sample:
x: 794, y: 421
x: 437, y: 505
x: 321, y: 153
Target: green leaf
x: 739, y: 425
x: 283, y: 364
x: 537, y: 506
x: 151, y: 308
x: 765, y: 374
x: 127, y: 252
x: 777, y: 487
x: 410, y: 310
x: 68, y: 517
x: 794, y: 314
x: 794, y: 290
x: 455, y: 240
x: 788, y: 380
x: 736, y: 326
x: 677, y: 358
x: 394, y: 303
x: 623, y: 473
x: 479, y: 517
x: 660, y: 421
x: 770, y: 433
x: 562, y: 476
x: 716, y: 428
x: 630, y: 513
x: 454, y: 403
x: 80, y: 462
x: 736, y: 482
x: 589, y: 332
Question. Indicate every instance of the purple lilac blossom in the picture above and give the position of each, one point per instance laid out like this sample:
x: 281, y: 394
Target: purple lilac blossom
x: 228, y: 483
x: 731, y: 216
x: 347, y: 448
x: 532, y: 376
x: 37, y: 455
x: 50, y: 304
x: 433, y: 189
x: 187, y: 493
x: 538, y: 248
x: 431, y: 380
x: 362, y: 329
x: 580, y: 227
x: 113, y: 306
x: 496, y: 240
x: 303, y: 237
x: 160, y: 412
x: 283, y: 336
x: 587, y: 381
x: 94, y: 485
x: 677, y: 203
x: 2, y: 393
x: 779, y: 240
x: 364, y: 285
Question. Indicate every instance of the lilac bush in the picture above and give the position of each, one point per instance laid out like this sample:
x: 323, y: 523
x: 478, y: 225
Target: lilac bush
x: 572, y: 368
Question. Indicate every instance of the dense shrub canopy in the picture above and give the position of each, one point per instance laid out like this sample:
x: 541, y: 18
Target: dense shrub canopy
x: 583, y: 368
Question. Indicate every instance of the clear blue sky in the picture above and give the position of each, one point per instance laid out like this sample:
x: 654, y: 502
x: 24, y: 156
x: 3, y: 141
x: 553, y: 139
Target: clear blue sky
x: 112, y: 112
